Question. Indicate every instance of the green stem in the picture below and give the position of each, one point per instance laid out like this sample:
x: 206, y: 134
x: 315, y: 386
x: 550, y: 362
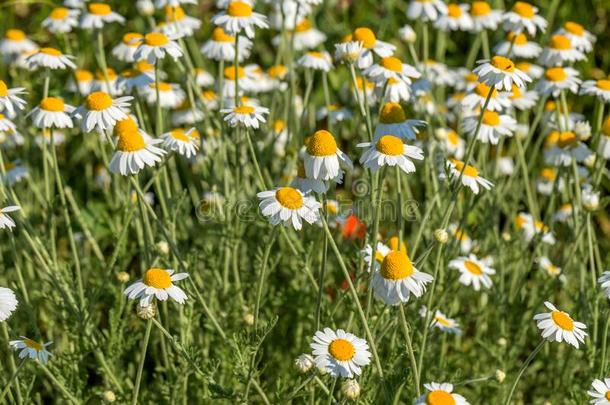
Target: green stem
x: 136, y: 388
x: 405, y: 328
x: 11, y: 380
x: 525, y: 365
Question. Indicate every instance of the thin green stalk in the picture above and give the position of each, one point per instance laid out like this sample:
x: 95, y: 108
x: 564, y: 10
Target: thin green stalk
x: 59, y: 385
x: 11, y: 380
x: 136, y: 389
x: 405, y: 328
x: 262, y: 274
x: 526, y: 363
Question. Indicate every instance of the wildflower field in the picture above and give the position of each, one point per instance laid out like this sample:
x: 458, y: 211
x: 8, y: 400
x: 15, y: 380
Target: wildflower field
x: 304, y: 201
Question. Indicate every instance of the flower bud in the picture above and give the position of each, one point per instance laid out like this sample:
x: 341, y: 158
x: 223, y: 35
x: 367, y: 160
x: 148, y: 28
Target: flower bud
x: 304, y: 363
x: 502, y: 342
x: 146, y: 312
x: 145, y: 7
x: 582, y: 129
x: 407, y: 34
x: 500, y: 376
x: 249, y: 319
x: 350, y: 389
x: 163, y: 247
x: 122, y: 276
x: 441, y: 236
x: 109, y: 396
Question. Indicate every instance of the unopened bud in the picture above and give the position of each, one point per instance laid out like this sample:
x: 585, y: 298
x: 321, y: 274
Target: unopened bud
x: 122, y: 276
x: 249, y: 319
x: 500, y: 376
x: 502, y: 342
x: 146, y: 312
x: 407, y: 34
x: 350, y: 389
x: 304, y: 363
x: 145, y: 7
x: 163, y: 247
x: 441, y: 236
x: 109, y: 396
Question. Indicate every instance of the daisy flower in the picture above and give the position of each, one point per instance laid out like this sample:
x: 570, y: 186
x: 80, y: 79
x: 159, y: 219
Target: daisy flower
x: 484, y: 17
x: 340, y: 353
x: 466, y: 79
x: 31, y: 349
x: 243, y: 81
x: 374, y: 260
x: 187, y: 114
x: 529, y: 228
x: 203, y: 78
x: 438, y: 73
x: 349, y: 51
x: 548, y: 266
x: 407, y: 34
x: 603, y: 148
x: 134, y: 149
x: 493, y: 126
x: 456, y: 19
x: 604, y: 283
x: 566, y: 148
x: 335, y: 112
x: 10, y: 100
x: 524, y: 17
x: 560, y: 51
x: 15, y: 42
x: 83, y: 83
x: 391, y: 68
x: 441, y: 321
x: 393, y: 121
x: 170, y: 95
x: 389, y: 150
x: 288, y: 206
x: 500, y: 72
x: 441, y: 394
x: 8, y: 303
x: 558, y: 326
x: 50, y: 58
x: 563, y: 213
x: 316, y: 61
x: 306, y: 184
x: 370, y: 45
x: 125, y: 51
x: 522, y: 100
x: 14, y: 172
x: 473, y: 271
x: 306, y: 36
x: 580, y: 38
x: 61, y: 20
x: 157, y: 283
x: 590, y: 197
x: 222, y: 47
x: 101, y: 112
x: 177, y: 21
x: 181, y: 141
x: 521, y: 47
x: 155, y: 46
x: 600, y: 392
x: 395, y: 90
x: 532, y: 70
x: 52, y: 112
x: 97, y: 15
x: 246, y: 115
x: 426, y: 10
x: 461, y: 236
x: 598, y: 88
x: 323, y: 157
x: 397, y: 278
x: 557, y: 79
x: 470, y: 175
x: 6, y: 125
x: 453, y: 144
x: 479, y: 95
x: 239, y: 17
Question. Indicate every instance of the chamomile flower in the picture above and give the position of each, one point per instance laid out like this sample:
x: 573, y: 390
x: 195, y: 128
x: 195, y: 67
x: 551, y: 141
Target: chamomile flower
x: 604, y: 283
x: 389, y: 150
x: 316, y: 61
x: 559, y: 51
x: 156, y: 46
x: 478, y: 98
x: 50, y: 58
x: 142, y: 76
x: 101, y: 112
x: 8, y: 303
x: 10, y: 100
x: 396, y: 279
x: 16, y: 42
x: 505, y: 165
x: 598, y: 88
x: 221, y: 46
x: 473, y: 271
x: 548, y: 266
x: 14, y: 172
x: 484, y: 17
x: 440, y: 394
x: 97, y: 15
x: 456, y: 19
x: 590, y: 197
x: 391, y: 68
x: 407, y: 34
x: 522, y: 100
x: 532, y: 70
x: 453, y: 144
x: 426, y: 10
x: 441, y: 321
x: 186, y: 114
x: 243, y: 81
x: 566, y: 148
x: 61, y: 20
x: 521, y: 47
x: 558, y: 326
x: 393, y: 121
x: 306, y: 184
x: 500, y: 72
x: 52, y: 112
x: 349, y: 51
x: 470, y: 176
x: 335, y: 113
x: 6, y: 125
x: 181, y: 141
x: 134, y: 149
x: 557, y: 79
x: 462, y: 237
x: 563, y: 213
x: 203, y: 78
x: 437, y: 73
x: 239, y: 17
x: 524, y: 17
x: 580, y: 38
x: 246, y: 115
x: 171, y: 95
x: 31, y: 349
x: 83, y: 83
x: 5, y: 220
x: 340, y: 353
x: 289, y: 206
x: 306, y: 36
x: 374, y: 260
x: 126, y: 49
x: 600, y: 392
x: 395, y: 90
x: 370, y: 45
x: 157, y: 283
x: 530, y: 228
x: 493, y: 126
x: 178, y: 22
x: 603, y: 147
x: 323, y: 158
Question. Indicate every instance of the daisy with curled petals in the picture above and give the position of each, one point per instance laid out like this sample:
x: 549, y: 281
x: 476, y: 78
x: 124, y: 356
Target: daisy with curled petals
x: 340, y: 353
x: 566, y: 149
x: 558, y: 326
x: 532, y: 70
x: 440, y: 394
x: 247, y: 115
x: 82, y: 82
x: 559, y: 51
x: 604, y: 283
x: 391, y: 68
x: 484, y: 17
x: 389, y: 150
x: 97, y: 15
x: 134, y: 149
x: 396, y: 279
x: 500, y: 72
x: 451, y: 141
x: 306, y: 184
x: 52, y: 112
x: 393, y: 121
x: 8, y: 303
x: 10, y: 100
x: 181, y: 141
x: 440, y: 321
x: 470, y: 175
x: 530, y: 228
x: 101, y: 112
x: 289, y: 206
x: 61, y: 20
x: 155, y: 46
x: 524, y: 17
x: 128, y: 46
x: 456, y: 19
x: 600, y: 392
x: 493, y: 126
x: 557, y: 79
x: 323, y: 158
x: 171, y: 95
x: 31, y: 349
x: 521, y: 47
x: 178, y: 22
x: 142, y: 76
x: 157, y: 283
x: 522, y: 100
x: 349, y: 52
x: 239, y: 17
x: 395, y: 90
x: 426, y: 10
x: 316, y: 61
x: 370, y: 45
x: 597, y: 88
x: 479, y: 96
x: 16, y: 42
x: 5, y: 220
x: 306, y: 36
x: 50, y: 58
x: 221, y: 46
x: 581, y: 39
x: 473, y: 271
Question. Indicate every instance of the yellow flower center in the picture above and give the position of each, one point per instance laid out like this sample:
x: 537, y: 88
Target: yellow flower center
x: 452, y: 137
x: 174, y: 14
x: 50, y: 51
x: 393, y: 244
x: 392, y: 63
x: 125, y: 126
x: 278, y: 126
x: 59, y: 13
x: 523, y: 66
x: 209, y: 95
x: 471, y: 77
x: 156, y: 39
x: 243, y: 109
x: 607, y: 396
x: 130, y: 141
x: 322, y: 143
x: 277, y: 71
x: 439, y: 397
x: 454, y: 10
x: 303, y: 26
x: 15, y: 35
x: 390, y: 145
x: 442, y: 321
x: 556, y: 74
x: 469, y: 171
x: 566, y: 139
x: 606, y: 127
x: 317, y: 55
x: 560, y: 42
x: 524, y: 9
x: 366, y: 36
x: 491, y: 118
x: 516, y: 92
x: 157, y: 278
x: 33, y: 345
x: 99, y: 74
x: 144, y: 66
x: 503, y: 63
x: 473, y: 268
x: 230, y: 72
x: 483, y: 90
x: 548, y: 174
x: 132, y: 39
x: 480, y: 8
x: 289, y: 198
x: 239, y: 9
x: 574, y: 28
x: 54, y: 104
x: 396, y: 266
x: 219, y: 35
x: 517, y: 39
x: 83, y: 75
x: 562, y: 320
x: 3, y: 89
x: 392, y: 113
x: 99, y: 9
x: 341, y: 349
x: 603, y: 84
x: 180, y: 135
x: 98, y: 101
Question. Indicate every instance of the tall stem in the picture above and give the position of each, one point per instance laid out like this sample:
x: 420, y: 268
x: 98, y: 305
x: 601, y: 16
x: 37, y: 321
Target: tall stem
x: 523, y: 368
x: 136, y: 388
x: 405, y: 328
